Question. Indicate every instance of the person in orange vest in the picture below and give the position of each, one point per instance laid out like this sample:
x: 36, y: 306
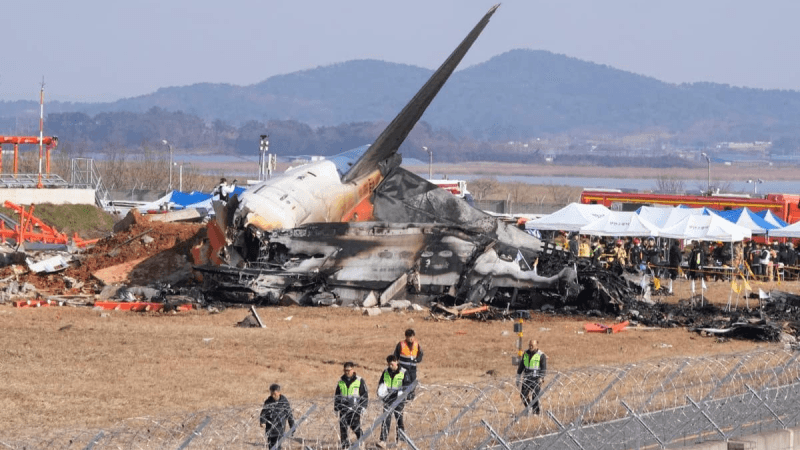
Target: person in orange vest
x: 409, y: 355
x: 350, y: 401
x: 530, y: 373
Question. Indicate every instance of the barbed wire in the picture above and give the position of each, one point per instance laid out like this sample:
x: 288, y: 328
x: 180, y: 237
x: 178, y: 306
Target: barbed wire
x: 670, y: 402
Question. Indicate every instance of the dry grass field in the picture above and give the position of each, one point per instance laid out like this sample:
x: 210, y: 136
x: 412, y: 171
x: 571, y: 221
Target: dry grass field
x: 68, y: 367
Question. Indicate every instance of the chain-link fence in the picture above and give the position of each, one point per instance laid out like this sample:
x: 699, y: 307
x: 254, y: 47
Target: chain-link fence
x: 654, y: 404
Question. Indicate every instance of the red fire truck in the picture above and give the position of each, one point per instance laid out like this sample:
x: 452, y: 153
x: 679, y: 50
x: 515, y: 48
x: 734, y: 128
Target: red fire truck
x: 784, y: 206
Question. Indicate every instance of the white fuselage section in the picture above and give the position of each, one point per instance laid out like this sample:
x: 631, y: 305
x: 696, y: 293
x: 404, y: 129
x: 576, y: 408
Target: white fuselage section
x: 306, y: 194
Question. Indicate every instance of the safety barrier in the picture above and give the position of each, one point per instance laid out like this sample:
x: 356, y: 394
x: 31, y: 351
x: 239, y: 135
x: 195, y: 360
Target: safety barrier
x: 656, y: 404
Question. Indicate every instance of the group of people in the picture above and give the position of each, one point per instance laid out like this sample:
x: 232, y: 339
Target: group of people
x: 763, y: 261
x: 351, y: 397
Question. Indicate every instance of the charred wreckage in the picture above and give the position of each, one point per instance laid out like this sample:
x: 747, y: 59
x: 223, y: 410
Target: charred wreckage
x: 356, y: 229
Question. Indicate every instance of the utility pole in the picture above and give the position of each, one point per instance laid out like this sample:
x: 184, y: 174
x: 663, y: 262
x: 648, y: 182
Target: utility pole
x: 264, y: 159
x: 170, y: 163
x: 708, y: 183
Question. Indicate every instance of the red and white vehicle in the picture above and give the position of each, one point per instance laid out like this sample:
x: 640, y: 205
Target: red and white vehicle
x: 784, y: 206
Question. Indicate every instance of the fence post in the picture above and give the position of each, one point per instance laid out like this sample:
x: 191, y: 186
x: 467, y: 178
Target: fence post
x: 195, y: 433
x: 94, y: 441
x: 400, y: 398
x: 639, y: 419
x: 495, y: 435
x: 296, y: 425
x: 516, y: 418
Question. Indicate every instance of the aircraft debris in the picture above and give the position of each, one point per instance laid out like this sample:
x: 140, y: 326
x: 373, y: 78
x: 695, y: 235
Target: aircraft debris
x: 50, y: 265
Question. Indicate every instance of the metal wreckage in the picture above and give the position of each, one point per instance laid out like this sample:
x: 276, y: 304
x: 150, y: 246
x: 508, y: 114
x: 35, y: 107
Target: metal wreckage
x: 358, y: 224
x: 357, y: 229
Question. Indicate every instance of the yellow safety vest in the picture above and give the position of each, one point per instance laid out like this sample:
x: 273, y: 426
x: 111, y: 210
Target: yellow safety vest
x: 532, y: 364
x: 393, y: 384
x: 352, y: 391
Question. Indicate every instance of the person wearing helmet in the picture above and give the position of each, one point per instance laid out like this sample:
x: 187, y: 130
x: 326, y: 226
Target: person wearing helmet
x: 635, y: 254
x: 620, y: 255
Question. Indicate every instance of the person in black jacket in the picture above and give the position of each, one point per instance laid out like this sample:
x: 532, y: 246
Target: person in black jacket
x: 530, y: 373
x: 350, y: 400
x: 274, y: 415
x: 394, y: 382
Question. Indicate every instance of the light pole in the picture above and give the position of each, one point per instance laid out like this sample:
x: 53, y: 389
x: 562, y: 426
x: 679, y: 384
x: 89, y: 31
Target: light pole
x: 263, y: 162
x: 430, y: 163
x: 755, y: 184
x: 708, y: 184
x: 170, y: 162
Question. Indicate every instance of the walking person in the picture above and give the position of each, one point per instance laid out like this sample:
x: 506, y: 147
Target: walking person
x: 530, y: 373
x: 274, y: 415
x: 350, y: 400
x: 391, y: 384
x: 409, y: 355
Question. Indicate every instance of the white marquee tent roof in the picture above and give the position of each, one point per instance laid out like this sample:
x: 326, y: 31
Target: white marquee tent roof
x: 569, y: 218
x: 791, y: 231
x: 619, y: 223
x: 706, y: 228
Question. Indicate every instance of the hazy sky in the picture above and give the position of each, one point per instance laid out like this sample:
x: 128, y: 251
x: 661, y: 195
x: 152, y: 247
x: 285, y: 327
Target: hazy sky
x: 91, y: 50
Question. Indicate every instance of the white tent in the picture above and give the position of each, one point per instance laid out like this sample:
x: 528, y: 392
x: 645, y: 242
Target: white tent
x: 569, y: 218
x: 619, y: 223
x: 706, y: 228
x: 667, y: 217
x: 791, y: 231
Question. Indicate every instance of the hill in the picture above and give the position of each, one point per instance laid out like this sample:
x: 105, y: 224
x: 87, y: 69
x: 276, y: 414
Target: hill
x: 516, y: 95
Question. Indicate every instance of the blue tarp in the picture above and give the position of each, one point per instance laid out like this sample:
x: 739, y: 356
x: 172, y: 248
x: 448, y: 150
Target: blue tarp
x: 184, y: 199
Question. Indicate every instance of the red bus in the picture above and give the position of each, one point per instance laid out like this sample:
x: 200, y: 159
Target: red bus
x: 784, y: 206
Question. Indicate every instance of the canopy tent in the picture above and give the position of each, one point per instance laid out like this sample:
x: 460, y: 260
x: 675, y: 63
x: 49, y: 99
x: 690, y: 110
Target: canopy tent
x: 790, y: 231
x: 748, y: 219
x: 706, y: 228
x: 619, y: 223
x: 666, y: 217
x: 569, y: 218
x: 771, y: 218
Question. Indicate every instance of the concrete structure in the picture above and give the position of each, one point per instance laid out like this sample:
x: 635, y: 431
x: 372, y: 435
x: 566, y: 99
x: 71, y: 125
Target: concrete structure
x: 58, y: 196
x: 788, y: 439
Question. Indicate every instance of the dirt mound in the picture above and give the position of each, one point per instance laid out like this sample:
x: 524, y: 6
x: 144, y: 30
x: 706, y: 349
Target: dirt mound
x: 154, y: 250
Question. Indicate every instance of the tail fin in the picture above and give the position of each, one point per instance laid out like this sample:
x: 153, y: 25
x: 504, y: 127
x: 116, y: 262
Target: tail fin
x: 390, y: 139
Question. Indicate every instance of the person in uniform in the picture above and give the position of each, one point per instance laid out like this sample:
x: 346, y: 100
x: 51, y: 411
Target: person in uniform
x: 391, y: 384
x: 409, y: 355
x: 350, y: 400
x: 530, y: 374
